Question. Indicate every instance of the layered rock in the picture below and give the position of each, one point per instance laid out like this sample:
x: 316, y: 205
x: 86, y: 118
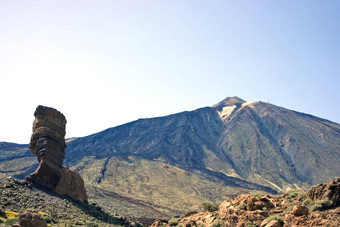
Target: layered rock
x: 48, y: 144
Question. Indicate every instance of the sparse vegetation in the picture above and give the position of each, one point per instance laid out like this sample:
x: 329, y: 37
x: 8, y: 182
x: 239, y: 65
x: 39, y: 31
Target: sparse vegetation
x: 257, y: 194
x: 211, y: 207
x: 321, y: 204
x: 275, y: 217
x: 315, y: 207
x: 292, y: 194
x: 8, y: 218
x: 250, y: 224
x: 242, y: 206
x: 56, y: 210
x: 46, y: 217
x: 9, y: 185
x: 91, y: 224
x: 174, y: 221
x: 216, y: 224
x: 306, y: 202
x: 11, y: 214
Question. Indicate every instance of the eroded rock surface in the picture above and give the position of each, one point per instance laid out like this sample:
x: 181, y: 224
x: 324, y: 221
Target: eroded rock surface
x: 330, y: 191
x: 48, y: 144
x: 71, y: 184
x: 271, y: 211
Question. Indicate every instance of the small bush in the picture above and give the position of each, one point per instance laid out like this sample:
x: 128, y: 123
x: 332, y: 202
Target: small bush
x: 9, y: 185
x: 250, y: 224
x: 257, y: 194
x: 211, y: 207
x: 46, y: 217
x: 216, y: 224
x: 292, y: 194
x: 279, y: 196
x: 11, y: 214
x: 91, y: 224
x: 42, y: 213
x: 321, y: 204
x: 174, y: 221
x: 327, y: 203
x: 10, y: 221
x: 275, y: 217
x: 306, y: 202
x: 316, y: 207
x: 242, y: 206
x: 79, y: 223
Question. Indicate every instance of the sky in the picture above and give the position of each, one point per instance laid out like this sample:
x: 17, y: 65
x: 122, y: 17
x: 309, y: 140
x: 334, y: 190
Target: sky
x: 104, y: 63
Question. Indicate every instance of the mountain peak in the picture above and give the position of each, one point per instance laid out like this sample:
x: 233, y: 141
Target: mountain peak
x: 229, y: 101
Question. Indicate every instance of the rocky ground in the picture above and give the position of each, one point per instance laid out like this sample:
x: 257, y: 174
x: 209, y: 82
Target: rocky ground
x: 317, y: 207
x: 16, y: 196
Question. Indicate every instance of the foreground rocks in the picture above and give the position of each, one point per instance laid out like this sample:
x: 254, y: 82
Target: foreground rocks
x: 30, y: 218
x: 318, y: 207
x: 48, y: 144
x: 19, y: 196
x: 329, y: 191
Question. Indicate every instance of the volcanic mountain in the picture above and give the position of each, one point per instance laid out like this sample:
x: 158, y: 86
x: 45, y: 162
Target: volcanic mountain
x: 166, y: 165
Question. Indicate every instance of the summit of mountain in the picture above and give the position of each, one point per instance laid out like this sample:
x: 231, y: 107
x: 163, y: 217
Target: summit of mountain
x: 229, y: 101
x: 164, y: 166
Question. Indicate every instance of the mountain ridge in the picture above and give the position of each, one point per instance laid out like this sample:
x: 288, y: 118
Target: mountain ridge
x: 233, y: 146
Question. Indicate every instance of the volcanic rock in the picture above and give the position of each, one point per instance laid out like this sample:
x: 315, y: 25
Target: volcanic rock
x: 329, y: 190
x: 300, y: 211
x: 255, y: 203
x: 273, y: 223
x: 267, y: 211
x: 48, y: 144
x: 29, y: 218
x: 71, y: 184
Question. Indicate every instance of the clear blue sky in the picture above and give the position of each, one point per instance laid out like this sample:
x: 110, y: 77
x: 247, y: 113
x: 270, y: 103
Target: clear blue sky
x: 105, y: 63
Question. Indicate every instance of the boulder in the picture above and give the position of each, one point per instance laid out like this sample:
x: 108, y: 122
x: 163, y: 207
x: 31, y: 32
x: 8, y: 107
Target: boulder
x: 29, y: 218
x: 300, y: 211
x: 254, y: 202
x: 274, y: 223
x: 329, y: 190
x: 224, y: 209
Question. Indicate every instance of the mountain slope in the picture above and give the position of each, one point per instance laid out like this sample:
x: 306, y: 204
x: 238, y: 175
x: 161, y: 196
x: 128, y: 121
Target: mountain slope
x: 257, y: 142
x: 166, y: 165
x: 280, y: 145
x: 181, y: 140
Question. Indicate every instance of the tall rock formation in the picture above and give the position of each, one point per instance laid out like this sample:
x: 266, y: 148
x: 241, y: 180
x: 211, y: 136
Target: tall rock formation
x: 48, y: 144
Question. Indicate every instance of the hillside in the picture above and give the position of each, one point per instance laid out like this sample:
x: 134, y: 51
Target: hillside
x: 19, y: 195
x: 160, y: 167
